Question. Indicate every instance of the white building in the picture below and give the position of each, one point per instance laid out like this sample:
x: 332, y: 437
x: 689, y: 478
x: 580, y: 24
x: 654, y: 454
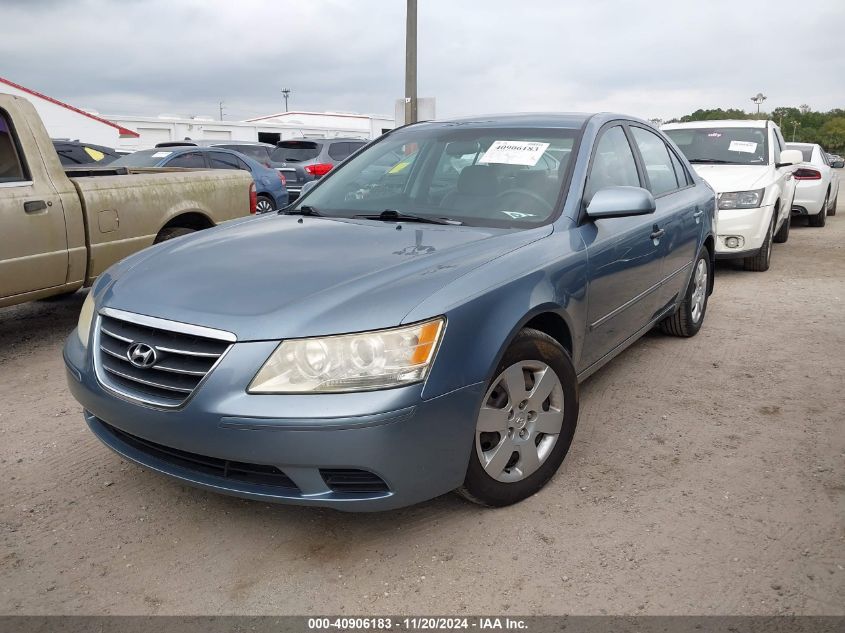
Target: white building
x: 139, y: 132
x: 65, y: 121
x: 268, y: 129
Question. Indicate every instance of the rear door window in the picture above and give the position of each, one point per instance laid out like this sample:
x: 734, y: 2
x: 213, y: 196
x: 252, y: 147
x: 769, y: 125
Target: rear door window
x: 658, y: 164
x: 259, y: 153
x: 11, y: 168
x: 340, y: 151
x: 189, y: 159
x: 296, y: 151
x: 221, y: 160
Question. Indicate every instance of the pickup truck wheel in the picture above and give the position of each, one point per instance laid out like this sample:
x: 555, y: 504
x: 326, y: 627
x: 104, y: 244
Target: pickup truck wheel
x: 783, y: 232
x: 832, y: 209
x: 264, y: 205
x: 820, y: 219
x: 174, y: 231
x: 687, y: 319
x: 760, y: 262
x: 525, y: 424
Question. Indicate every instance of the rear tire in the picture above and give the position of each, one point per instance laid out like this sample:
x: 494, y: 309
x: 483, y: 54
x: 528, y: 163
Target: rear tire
x: 783, y: 232
x: 174, y: 231
x: 522, y: 434
x: 264, y: 204
x: 687, y: 319
x: 820, y: 219
x: 760, y: 262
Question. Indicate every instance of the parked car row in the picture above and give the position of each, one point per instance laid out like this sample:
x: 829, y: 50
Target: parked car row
x: 419, y: 321
x: 760, y: 180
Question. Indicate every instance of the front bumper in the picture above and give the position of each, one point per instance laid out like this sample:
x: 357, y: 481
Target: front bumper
x: 418, y: 448
x: 749, y: 225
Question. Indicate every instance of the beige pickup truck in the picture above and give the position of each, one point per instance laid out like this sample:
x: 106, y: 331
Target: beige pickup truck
x: 59, y: 230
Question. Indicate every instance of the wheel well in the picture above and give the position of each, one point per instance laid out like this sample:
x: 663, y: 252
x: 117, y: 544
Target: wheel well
x: 553, y: 325
x: 192, y: 220
x: 710, y: 245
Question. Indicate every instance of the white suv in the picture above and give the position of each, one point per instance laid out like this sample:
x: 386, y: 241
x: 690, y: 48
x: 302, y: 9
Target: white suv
x: 750, y: 169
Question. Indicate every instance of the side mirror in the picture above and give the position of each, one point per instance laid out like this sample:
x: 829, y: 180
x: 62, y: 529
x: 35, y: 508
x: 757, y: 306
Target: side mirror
x: 308, y: 185
x: 838, y: 164
x: 790, y: 157
x: 620, y: 202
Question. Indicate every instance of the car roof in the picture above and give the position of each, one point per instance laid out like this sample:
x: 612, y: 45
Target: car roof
x: 324, y: 140
x: 802, y: 144
x: 569, y: 120
x: 760, y: 123
x: 210, y: 143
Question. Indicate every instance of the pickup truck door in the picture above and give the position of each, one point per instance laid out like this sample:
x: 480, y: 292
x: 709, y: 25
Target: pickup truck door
x: 33, y: 238
x: 624, y: 254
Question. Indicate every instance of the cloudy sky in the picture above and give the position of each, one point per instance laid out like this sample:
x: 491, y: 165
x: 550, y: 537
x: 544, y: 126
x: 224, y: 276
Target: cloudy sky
x: 661, y: 58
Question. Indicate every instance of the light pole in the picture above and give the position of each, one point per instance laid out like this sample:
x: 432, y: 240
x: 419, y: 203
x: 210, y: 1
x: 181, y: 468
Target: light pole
x: 795, y: 125
x: 758, y: 99
x: 411, y: 62
x: 220, y: 105
x: 286, y: 94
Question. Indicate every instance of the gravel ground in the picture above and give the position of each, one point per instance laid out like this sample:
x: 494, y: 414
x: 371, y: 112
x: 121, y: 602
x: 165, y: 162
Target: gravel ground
x: 706, y: 477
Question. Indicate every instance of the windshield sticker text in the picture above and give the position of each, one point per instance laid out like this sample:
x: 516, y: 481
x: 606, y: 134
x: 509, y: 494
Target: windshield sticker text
x: 514, y: 153
x: 742, y: 146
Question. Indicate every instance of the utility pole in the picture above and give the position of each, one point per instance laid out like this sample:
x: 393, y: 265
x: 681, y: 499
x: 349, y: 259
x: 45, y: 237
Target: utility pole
x: 411, y: 63
x: 220, y: 105
x: 795, y: 125
x: 286, y: 94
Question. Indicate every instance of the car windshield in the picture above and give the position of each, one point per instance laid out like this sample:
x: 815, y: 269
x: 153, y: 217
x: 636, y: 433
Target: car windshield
x: 142, y: 158
x: 722, y: 145
x: 499, y: 177
x: 295, y: 151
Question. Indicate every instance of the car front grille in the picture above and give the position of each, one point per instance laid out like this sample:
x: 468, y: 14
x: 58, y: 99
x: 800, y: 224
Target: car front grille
x: 256, y: 474
x: 180, y: 361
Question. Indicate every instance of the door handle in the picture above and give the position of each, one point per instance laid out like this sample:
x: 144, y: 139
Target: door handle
x: 33, y: 206
x: 657, y: 233
x: 698, y: 213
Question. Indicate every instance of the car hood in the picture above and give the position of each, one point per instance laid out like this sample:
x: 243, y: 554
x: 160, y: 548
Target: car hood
x: 733, y: 177
x: 284, y: 276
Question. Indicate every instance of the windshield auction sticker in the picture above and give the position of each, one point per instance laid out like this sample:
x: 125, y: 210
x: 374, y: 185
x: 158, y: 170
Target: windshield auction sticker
x: 742, y: 146
x: 514, y: 153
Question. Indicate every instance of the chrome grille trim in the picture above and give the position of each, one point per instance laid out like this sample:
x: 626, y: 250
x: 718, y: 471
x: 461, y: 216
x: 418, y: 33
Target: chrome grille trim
x: 187, y: 369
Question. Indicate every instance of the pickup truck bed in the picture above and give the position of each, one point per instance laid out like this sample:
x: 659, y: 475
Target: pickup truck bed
x: 60, y: 229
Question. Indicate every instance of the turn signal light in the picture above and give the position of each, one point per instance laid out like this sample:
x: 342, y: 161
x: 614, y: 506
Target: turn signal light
x: 807, y: 174
x: 319, y: 169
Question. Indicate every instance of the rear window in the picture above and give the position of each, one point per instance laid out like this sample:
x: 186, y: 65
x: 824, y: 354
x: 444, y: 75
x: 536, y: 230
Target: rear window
x: 11, y: 169
x: 806, y: 152
x: 295, y: 151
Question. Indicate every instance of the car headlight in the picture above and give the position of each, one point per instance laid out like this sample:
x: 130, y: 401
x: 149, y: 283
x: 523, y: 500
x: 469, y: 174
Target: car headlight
x: 86, y: 315
x: 741, y: 199
x: 351, y: 362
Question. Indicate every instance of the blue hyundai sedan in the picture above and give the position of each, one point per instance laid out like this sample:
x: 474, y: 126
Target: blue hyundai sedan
x: 420, y: 321
x: 270, y: 188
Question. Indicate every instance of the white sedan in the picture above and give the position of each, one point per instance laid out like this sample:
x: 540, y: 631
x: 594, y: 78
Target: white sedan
x: 817, y: 184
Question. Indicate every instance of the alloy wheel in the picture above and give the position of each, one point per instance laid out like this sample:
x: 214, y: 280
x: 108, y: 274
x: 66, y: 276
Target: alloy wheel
x: 699, y: 293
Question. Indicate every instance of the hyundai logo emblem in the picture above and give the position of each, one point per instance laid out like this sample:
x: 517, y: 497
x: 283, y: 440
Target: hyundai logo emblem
x: 141, y: 355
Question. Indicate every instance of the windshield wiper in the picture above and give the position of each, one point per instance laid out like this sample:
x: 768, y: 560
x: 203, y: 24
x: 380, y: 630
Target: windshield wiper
x: 391, y: 215
x: 303, y: 210
x: 713, y: 161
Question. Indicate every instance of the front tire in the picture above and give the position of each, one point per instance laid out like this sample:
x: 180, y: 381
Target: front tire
x: 820, y: 219
x: 783, y: 232
x: 687, y: 319
x: 525, y: 424
x: 760, y: 262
